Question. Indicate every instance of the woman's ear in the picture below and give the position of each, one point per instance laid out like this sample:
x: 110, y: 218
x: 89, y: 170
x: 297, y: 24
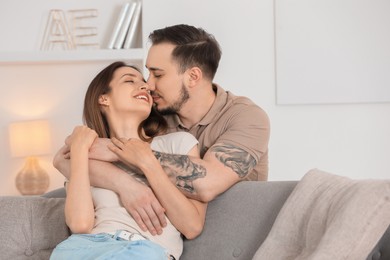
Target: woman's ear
x: 103, y: 100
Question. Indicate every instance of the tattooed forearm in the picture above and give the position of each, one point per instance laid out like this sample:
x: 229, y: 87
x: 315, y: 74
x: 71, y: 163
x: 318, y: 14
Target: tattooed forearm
x: 181, y: 169
x: 235, y: 158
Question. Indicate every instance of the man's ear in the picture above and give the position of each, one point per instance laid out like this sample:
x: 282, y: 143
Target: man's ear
x: 194, y: 76
x: 103, y: 100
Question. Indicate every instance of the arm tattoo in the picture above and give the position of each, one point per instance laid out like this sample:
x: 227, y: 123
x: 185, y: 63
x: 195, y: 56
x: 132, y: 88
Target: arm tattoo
x: 235, y: 158
x: 182, y: 169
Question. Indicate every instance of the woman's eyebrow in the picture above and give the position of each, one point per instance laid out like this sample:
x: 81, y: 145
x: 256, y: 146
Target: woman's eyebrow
x: 128, y: 74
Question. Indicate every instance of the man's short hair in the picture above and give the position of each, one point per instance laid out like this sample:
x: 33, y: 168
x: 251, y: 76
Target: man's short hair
x: 194, y: 47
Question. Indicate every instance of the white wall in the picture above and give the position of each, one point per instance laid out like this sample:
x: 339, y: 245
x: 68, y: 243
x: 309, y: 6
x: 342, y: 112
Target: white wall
x: 351, y: 139
x: 46, y: 91
x: 345, y: 59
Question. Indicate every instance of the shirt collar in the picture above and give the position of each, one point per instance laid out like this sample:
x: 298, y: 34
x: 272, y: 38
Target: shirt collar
x: 219, y: 103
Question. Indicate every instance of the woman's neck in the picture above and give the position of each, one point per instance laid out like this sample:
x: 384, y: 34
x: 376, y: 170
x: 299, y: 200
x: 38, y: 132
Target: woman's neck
x: 124, y: 128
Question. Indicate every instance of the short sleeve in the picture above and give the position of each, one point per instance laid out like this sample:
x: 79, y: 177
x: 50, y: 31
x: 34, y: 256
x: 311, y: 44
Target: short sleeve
x: 248, y: 128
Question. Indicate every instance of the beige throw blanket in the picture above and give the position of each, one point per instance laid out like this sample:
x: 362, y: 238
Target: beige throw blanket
x: 329, y: 217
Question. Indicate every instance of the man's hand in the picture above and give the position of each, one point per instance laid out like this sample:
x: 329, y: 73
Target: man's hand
x: 143, y: 206
x: 140, y: 201
x: 60, y: 161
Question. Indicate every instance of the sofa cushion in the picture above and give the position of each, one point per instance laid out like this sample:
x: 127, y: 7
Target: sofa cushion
x: 329, y: 217
x: 238, y: 221
x: 31, y: 226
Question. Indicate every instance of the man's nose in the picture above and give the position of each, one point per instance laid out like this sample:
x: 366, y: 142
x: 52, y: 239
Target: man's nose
x: 151, y: 84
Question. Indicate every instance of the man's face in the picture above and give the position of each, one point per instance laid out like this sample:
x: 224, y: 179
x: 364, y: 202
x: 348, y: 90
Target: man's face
x: 167, y: 84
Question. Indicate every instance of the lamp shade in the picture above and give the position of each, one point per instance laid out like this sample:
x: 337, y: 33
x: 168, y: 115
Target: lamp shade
x: 29, y: 138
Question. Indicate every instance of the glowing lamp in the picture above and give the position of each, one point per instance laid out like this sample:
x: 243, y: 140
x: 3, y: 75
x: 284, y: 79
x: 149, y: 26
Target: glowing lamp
x: 30, y: 139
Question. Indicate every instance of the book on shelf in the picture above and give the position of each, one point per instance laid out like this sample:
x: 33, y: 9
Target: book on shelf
x: 134, y: 26
x: 120, y: 40
x: 118, y: 25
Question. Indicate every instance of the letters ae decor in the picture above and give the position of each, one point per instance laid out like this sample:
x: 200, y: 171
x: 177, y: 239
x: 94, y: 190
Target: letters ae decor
x: 70, y: 32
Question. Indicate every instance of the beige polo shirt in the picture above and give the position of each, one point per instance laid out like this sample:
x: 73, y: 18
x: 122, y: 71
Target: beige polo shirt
x: 232, y: 120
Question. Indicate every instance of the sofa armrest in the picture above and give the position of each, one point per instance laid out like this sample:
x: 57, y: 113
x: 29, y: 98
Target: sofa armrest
x: 382, y: 250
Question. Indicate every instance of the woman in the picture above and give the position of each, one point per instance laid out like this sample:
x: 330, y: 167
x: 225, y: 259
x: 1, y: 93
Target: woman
x: 118, y: 105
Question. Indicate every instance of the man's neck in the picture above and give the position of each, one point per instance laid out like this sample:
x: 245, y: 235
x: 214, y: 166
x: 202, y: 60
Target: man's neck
x: 197, y: 107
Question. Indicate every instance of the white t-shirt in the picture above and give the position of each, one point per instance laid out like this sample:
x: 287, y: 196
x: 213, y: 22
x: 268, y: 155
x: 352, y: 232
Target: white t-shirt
x: 110, y: 215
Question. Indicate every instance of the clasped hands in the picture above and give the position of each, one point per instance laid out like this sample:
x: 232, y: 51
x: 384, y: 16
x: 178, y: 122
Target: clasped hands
x: 138, y: 199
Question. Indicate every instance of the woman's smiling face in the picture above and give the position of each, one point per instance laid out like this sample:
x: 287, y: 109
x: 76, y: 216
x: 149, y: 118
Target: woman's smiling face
x: 129, y: 92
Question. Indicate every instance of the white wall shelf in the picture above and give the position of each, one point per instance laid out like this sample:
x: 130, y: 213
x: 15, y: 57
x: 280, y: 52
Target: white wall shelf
x: 21, y: 43
x: 13, y: 57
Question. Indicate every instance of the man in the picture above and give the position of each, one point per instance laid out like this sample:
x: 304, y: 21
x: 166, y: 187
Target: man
x: 233, y: 132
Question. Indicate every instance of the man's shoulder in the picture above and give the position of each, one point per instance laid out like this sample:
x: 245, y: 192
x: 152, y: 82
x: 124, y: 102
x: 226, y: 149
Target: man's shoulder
x: 242, y: 100
x: 242, y: 103
x: 234, y: 106
x: 232, y: 99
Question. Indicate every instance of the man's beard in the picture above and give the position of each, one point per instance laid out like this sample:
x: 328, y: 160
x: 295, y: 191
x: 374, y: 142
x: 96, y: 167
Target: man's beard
x: 177, y: 105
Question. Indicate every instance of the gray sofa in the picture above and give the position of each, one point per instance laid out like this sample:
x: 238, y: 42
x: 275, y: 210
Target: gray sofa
x: 237, y: 223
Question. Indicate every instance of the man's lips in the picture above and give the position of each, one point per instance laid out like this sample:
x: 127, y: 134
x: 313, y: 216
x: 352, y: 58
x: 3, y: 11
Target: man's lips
x: 155, y: 97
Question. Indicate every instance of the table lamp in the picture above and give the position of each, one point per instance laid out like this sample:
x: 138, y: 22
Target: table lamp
x: 30, y: 139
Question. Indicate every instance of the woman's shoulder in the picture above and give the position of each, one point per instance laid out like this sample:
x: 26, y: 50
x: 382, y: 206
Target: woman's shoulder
x: 177, y: 143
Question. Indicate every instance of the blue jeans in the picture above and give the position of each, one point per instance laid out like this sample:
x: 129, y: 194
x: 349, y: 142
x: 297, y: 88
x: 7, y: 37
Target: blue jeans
x: 105, y: 246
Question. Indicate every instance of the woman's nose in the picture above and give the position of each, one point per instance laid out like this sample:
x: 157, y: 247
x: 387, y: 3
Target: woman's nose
x: 145, y: 86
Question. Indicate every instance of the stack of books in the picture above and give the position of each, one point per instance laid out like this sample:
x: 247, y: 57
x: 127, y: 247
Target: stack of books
x: 126, y: 26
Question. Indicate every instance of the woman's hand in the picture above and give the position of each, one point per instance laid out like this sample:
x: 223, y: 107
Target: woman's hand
x: 98, y: 151
x: 82, y: 137
x: 132, y: 152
